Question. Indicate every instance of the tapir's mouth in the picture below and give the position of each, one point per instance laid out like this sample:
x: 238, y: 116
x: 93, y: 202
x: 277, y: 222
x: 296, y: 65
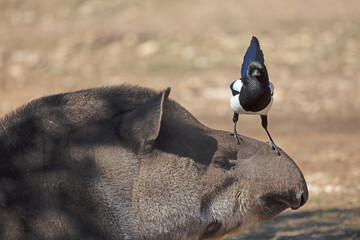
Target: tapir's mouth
x: 272, y: 204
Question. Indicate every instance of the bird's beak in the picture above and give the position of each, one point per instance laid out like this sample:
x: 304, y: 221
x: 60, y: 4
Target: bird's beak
x: 256, y: 73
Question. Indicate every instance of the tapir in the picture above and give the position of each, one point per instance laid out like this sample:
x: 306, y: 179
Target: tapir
x: 126, y: 162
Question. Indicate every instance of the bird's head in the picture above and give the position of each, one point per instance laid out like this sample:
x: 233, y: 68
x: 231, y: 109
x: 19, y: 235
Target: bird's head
x: 257, y: 70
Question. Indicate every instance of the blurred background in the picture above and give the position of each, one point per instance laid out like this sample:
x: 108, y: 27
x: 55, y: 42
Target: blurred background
x: 312, y: 53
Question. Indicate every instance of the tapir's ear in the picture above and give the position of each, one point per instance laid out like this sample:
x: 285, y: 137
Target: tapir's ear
x: 140, y: 127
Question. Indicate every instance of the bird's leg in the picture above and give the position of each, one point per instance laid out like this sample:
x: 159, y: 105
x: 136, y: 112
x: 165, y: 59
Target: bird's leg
x: 264, y: 123
x: 235, y: 119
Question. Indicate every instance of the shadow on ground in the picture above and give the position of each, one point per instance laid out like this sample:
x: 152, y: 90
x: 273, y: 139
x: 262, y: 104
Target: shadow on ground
x: 321, y: 224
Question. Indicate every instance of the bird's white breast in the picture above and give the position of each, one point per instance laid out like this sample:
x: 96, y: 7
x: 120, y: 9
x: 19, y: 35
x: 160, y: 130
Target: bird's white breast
x: 236, y: 106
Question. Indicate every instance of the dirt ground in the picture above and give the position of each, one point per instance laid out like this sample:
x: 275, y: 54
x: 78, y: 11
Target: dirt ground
x: 312, y: 53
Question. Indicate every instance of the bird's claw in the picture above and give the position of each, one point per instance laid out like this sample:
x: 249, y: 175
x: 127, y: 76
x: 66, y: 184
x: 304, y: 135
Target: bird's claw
x: 274, y: 147
x: 237, y: 137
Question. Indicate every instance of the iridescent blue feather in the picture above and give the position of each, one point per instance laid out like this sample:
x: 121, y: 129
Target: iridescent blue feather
x: 252, y: 54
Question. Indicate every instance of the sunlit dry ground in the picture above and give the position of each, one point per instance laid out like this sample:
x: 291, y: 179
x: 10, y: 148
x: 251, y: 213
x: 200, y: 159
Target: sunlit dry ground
x: 312, y: 53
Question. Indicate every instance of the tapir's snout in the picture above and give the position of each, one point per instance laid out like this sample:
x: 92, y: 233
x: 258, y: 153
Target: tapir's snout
x: 274, y: 202
x: 283, y: 194
x: 290, y: 199
x: 276, y: 181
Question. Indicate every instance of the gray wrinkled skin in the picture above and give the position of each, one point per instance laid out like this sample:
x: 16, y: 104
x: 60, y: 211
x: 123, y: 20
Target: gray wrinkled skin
x: 128, y: 163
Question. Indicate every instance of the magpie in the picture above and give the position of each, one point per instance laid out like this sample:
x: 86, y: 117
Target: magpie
x: 253, y: 93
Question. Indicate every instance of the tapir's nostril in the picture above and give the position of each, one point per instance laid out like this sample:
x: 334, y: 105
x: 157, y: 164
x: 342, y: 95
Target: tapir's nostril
x: 301, y: 199
x: 304, y: 195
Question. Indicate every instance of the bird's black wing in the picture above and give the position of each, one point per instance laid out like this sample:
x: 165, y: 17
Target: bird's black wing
x: 252, y: 54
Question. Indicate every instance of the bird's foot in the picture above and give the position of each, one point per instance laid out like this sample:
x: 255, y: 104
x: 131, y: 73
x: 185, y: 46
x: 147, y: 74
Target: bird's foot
x: 237, y: 137
x: 274, y: 147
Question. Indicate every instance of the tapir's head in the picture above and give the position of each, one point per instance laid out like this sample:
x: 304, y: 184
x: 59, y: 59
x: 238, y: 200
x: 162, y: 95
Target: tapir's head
x: 252, y: 180
x: 267, y: 183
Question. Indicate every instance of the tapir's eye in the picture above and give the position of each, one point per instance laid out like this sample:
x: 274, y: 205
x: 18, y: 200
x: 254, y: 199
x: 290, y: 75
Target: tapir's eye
x: 223, y: 162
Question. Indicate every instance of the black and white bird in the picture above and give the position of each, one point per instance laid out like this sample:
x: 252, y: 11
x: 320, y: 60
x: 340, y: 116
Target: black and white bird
x: 253, y: 92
